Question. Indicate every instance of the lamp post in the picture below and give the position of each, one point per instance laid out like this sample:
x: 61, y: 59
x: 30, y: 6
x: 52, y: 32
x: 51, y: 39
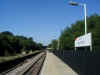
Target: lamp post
x: 83, y: 5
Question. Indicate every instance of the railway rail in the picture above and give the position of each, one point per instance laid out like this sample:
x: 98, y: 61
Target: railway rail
x: 30, y: 66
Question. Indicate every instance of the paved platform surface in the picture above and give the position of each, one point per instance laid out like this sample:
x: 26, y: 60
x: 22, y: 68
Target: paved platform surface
x: 54, y: 66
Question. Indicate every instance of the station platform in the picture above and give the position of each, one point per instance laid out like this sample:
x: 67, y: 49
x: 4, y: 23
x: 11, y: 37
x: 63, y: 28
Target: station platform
x: 55, y: 66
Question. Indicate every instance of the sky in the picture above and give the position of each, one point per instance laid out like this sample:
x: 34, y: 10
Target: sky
x: 43, y: 20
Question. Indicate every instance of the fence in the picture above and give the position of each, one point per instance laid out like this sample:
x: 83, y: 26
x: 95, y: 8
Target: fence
x: 83, y: 62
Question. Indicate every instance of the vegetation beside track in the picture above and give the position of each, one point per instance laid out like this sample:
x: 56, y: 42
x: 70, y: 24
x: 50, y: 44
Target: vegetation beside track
x: 9, y: 58
x: 11, y: 44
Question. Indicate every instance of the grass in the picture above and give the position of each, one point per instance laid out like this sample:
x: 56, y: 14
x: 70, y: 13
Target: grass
x: 8, y: 58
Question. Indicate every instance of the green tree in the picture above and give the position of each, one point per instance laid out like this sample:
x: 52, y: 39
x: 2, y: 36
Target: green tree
x: 11, y: 44
x: 54, y: 44
x: 69, y: 34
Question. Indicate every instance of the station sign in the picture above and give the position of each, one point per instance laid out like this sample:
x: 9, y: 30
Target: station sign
x: 83, y: 41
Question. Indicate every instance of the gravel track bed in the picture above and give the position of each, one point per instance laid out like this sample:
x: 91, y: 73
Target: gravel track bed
x: 20, y: 70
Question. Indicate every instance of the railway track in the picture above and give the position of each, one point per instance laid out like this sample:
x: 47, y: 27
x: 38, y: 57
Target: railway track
x: 30, y: 66
x: 35, y: 69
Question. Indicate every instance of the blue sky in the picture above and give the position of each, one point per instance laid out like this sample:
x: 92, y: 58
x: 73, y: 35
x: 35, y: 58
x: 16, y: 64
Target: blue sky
x: 41, y: 19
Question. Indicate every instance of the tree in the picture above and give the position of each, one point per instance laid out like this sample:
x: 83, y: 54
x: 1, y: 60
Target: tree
x: 54, y: 44
x: 11, y: 44
x: 69, y: 34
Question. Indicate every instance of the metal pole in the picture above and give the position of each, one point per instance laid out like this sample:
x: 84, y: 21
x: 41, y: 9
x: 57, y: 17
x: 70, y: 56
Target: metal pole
x: 85, y: 19
x: 91, y: 44
x: 58, y: 43
x: 75, y: 48
x: 85, y: 22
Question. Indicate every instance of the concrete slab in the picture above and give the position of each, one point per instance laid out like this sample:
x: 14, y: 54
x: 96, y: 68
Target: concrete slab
x: 54, y: 66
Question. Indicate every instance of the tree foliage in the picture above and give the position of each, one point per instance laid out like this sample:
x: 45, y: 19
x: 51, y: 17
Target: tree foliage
x: 69, y: 34
x: 11, y: 44
x: 53, y: 44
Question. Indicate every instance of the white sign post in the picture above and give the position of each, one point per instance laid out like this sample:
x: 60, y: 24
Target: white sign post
x: 84, y: 41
